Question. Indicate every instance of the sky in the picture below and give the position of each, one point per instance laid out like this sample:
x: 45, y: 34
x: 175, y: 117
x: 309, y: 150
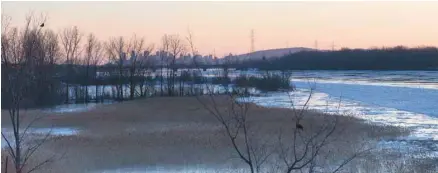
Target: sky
x: 225, y: 27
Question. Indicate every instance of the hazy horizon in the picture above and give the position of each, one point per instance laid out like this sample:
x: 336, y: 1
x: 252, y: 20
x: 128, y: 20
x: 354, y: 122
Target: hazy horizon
x: 225, y: 27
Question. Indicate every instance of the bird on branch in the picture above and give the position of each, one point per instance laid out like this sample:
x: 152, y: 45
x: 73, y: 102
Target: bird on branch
x: 299, y: 126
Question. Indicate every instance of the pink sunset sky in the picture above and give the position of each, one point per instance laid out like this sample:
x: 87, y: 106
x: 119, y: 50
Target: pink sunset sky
x: 225, y: 27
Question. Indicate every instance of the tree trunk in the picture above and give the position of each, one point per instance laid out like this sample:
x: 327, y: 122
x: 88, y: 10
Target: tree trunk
x: 131, y: 84
x: 68, y: 94
x: 17, y: 140
x: 120, y: 92
x: 96, y: 93
x: 6, y: 164
x: 169, y: 82
x: 87, y: 82
x: 161, y: 77
x: 180, y: 86
x: 76, y: 93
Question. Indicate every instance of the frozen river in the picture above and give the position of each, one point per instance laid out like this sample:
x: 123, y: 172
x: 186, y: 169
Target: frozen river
x: 401, y: 98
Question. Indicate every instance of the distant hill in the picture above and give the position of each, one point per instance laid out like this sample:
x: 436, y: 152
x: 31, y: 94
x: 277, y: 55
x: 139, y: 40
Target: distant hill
x: 271, y: 53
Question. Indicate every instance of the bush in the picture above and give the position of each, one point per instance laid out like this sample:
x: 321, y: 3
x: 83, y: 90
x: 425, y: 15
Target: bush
x: 190, y: 77
x: 185, y: 76
x: 198, y: 78
x: 221, y: 80
x: 267, y: 82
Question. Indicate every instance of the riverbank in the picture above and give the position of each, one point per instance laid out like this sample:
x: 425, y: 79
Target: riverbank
x: 177, y: 132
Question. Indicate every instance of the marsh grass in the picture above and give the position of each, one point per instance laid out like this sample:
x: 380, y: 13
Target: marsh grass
x: 178, y: 131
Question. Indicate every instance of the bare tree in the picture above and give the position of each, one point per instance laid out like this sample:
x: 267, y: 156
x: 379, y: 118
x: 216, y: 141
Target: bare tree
x: 299, y: 151
x: 70, y: 41
x: 24, y: 54
x: 297, y: 154
x: 9, y: 40
x: 96, y: 62
x: 135, y: 54
x: 305, y: 147
x: 93, y: 50
x: 234, y: 120
x: 141, y: 70
x: 164, y: 60
x: 117, y: 49
x: 46, y: 87
x: 52, y: 47
x: 177, y: 47
x: 194, y: 51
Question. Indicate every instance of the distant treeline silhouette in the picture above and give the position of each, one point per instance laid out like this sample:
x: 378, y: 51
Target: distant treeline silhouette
x: 396, y: 58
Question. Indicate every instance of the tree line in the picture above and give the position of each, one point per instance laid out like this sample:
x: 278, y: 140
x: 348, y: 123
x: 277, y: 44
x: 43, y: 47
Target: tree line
x: 41, y: 67
x: 395, y: 58
x: 391, y: 58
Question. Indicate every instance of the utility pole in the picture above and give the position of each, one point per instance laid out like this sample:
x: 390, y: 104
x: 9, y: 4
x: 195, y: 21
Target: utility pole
x: 316, y: 44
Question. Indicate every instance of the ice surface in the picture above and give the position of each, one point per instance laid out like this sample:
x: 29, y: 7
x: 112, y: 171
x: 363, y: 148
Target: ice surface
x: 408, y: 99
x: 37, y: 132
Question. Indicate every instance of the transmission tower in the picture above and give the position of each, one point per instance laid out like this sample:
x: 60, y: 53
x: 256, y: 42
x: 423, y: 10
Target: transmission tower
x: 316, y: 44
x: 333, y: 46
x: 252, y: 41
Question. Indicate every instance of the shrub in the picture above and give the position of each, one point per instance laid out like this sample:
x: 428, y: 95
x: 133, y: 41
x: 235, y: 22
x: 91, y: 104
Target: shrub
x: 221, y: 80
x: 191, y: 77
x: 267, y: 82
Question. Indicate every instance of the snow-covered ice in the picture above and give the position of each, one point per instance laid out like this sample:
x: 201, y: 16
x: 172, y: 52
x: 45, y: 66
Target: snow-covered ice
x: 35, y: 133
x: 404, y: 98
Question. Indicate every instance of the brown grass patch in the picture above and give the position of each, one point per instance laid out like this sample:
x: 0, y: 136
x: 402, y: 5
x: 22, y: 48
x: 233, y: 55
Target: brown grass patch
x: 177, y: 131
